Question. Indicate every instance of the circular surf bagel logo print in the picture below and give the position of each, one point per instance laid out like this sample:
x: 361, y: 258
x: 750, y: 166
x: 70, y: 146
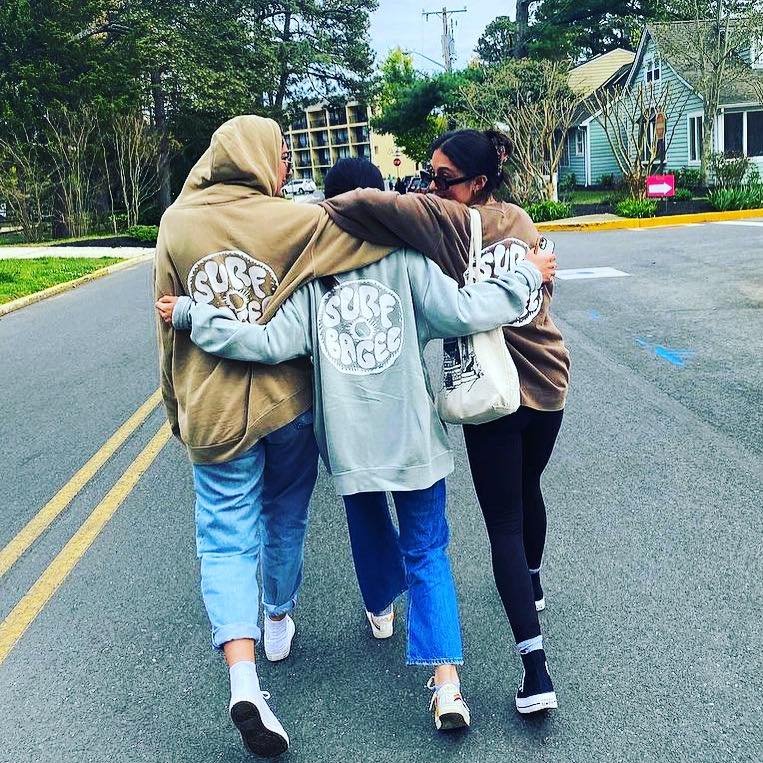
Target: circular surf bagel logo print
x: 503, y: 258
x: 360, y: 327
x: 234, y: 281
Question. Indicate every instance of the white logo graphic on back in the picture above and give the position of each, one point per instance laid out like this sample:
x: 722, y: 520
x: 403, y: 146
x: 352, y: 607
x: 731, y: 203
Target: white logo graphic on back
x: 233, y: 281
x: 503, y: 258
x: 360, y: 327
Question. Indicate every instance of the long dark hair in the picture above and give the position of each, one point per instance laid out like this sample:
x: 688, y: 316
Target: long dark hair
x: 477, y: 153
x: 351, y: 173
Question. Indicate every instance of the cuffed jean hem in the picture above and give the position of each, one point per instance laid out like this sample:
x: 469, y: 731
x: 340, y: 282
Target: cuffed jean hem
x: 226, y: 633
x: 282, y: 609
x: 443, y: 661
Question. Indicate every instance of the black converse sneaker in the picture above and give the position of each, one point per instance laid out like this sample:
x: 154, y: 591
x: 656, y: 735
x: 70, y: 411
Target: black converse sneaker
x: 540, y: 601
x: 536, y: 692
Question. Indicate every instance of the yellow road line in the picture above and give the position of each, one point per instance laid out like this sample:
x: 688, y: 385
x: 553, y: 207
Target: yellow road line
x: 25, y: 612
x: 39, y: 523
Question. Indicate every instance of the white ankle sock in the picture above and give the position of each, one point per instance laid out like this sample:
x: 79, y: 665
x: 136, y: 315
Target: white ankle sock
x: 244, y: 683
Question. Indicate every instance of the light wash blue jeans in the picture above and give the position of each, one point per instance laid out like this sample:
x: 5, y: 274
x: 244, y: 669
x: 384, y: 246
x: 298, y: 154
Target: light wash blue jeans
x: 249, y: 510
x: 387, y: 563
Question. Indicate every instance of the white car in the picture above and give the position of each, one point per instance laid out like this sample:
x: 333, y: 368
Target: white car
x: 297, y: 187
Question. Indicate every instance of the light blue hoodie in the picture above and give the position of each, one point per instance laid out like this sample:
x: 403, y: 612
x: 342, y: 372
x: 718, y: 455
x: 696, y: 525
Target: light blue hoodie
x: 375, y: 420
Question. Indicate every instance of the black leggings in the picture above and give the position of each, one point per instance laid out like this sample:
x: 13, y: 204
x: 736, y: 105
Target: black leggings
x: 507, y: 458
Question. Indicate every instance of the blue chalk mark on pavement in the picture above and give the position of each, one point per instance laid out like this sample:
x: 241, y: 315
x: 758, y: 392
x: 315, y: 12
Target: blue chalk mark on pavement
x: 594, y: 315
x: 674, y: 356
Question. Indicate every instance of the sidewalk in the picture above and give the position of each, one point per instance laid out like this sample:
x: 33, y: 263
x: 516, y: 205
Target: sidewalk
x: 85, y: 252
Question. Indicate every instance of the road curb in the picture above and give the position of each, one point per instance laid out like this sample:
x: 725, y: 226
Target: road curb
x: 652, y: 222
x: 60, y: 288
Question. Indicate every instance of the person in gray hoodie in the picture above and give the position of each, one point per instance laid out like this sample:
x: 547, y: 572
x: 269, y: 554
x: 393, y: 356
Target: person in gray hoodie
x: 374, y: 418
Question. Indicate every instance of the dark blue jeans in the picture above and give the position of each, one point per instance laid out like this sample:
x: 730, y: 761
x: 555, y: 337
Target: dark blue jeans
x: 388, y: 562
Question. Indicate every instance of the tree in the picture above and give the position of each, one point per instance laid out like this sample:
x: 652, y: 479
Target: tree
x: 404, y: 106
x: 524, y: 8
x: 532, y: 102
x: 319, y: 47
x: 581, y: 29
x: 25, y: 183
x: 710, y: 44
x: 496, y: 43
x: 628, y: 117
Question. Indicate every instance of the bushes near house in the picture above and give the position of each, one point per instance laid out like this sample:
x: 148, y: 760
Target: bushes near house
x: 637, y: 208
x: 146, y: 234
x: 607, y: 181
x: 543, y: 211
x: 745, y: 197
x: 689, y: 179
x: 731, y: 171
x: 683, y: 194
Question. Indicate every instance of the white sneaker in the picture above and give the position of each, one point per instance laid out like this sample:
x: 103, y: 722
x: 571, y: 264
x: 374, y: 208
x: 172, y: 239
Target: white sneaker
x: 261, y: 732
x: 278, y: 638
x: 382, y: 626
x: 450, y: 710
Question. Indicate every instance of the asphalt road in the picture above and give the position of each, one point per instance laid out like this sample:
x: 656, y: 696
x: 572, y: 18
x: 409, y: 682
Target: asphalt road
x: 653, y: 570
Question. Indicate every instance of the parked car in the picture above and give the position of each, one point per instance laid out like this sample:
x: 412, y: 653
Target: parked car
x: 298, y: 187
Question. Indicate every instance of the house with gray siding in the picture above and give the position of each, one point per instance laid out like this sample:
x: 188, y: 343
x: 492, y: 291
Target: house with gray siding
x: 738, y: 126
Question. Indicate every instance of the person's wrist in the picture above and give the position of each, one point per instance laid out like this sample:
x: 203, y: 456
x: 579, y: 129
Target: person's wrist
x: 181, y: 314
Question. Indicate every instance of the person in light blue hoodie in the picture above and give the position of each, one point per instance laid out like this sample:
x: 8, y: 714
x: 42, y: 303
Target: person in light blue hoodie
x: 376, y: 424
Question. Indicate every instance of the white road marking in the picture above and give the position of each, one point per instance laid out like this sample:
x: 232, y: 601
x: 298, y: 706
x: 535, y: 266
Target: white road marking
x: 575, y: 274
x: 751, y: 223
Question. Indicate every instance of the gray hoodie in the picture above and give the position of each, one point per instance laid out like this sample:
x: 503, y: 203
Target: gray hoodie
x: 375, y: 421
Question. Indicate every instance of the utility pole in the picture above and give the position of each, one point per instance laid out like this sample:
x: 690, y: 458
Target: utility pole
x: 448, y: 43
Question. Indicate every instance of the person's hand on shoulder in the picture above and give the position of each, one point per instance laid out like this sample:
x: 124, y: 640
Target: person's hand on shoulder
x: 165, y: 305
x: 546, y: 263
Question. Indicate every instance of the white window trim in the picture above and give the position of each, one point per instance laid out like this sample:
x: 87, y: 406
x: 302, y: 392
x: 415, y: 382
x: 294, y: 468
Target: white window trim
x: 744, y: 130
x: 653, y: 64
x: 693, y: 115
x: 580, y: 141
x: 744, y: 136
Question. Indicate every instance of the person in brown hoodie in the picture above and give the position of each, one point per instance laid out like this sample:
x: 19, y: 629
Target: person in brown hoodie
x: 507, y: 456
x: 230, y: 241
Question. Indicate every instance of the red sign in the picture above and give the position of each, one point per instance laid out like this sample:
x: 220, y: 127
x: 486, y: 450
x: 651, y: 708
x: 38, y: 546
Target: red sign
x: 397, y: 162
x: 660, y: 186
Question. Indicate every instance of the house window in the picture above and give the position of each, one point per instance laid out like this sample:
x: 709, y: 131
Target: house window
x: 695, y: 139
x: 755, y: 133
x: 733, y: 133
x: 653, y: 72
x: 580, y: 142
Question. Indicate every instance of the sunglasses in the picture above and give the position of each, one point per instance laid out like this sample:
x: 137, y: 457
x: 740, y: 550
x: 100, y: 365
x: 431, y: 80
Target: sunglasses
x: 441, y: 183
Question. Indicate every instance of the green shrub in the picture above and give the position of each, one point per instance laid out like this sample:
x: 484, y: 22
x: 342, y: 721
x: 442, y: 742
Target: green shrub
x: 607, y: 181
x: 615, y: 197
x: 729, y: 170
x: 689, y: 178
x: 637, y: 208
x: 569, y: 182
x: 683, y: 194
x: 145, y: 233
x: 543, y: 211
x: 726, y: 199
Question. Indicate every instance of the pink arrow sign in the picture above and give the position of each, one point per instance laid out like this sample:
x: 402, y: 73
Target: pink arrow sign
x: 659, y: 186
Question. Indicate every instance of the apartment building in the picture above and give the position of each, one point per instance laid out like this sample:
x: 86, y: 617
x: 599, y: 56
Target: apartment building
x: 321, y: 136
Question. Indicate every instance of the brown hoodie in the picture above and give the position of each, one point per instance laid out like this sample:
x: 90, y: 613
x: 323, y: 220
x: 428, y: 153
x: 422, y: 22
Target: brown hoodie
x: 227, y: 240
x: 440, y: 229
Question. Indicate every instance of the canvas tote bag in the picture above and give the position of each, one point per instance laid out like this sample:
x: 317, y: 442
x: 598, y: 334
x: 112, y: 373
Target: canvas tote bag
x: 480, y: 381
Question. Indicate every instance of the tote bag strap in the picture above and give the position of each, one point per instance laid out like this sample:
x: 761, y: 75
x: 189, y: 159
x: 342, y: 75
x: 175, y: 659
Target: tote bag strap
x: 475, y: 247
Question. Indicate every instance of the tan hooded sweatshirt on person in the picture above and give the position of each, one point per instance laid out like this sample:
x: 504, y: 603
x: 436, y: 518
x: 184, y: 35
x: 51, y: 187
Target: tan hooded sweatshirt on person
x: 441, y: 230
x: 229, y: 241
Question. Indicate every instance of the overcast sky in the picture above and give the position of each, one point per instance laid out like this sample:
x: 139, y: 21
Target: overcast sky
x: 400, y: 23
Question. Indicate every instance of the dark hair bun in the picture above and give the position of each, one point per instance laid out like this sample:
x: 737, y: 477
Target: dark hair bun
x: 477, y: 153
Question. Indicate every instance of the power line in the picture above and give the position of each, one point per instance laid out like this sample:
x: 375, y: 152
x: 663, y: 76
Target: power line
x: 448, y: 40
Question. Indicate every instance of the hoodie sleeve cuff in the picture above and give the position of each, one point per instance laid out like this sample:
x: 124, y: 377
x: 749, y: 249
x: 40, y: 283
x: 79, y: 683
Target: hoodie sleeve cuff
x: 181, y: 314
x: 529, y: 271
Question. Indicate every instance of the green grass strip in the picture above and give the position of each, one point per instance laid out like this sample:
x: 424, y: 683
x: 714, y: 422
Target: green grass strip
x: 21, y: 277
